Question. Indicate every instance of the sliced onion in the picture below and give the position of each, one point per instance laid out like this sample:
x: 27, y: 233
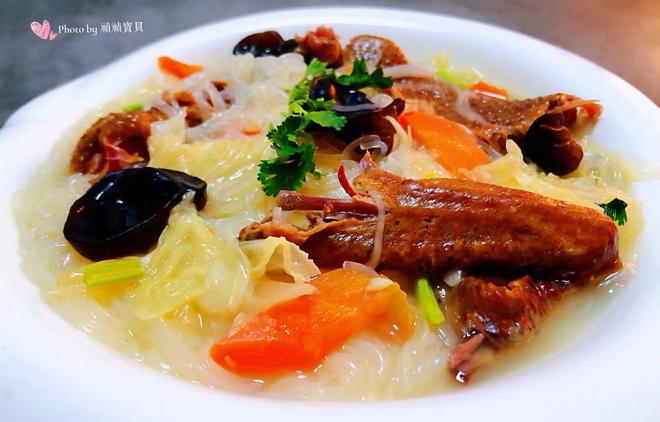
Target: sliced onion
x: 214, y: 95
x: 334, y: 217
x: 381, y: 100
x: 206, y: 130
x: 408, y: 70
x: 378, y: 283
x: 354, y: 108
x: 278, y: 216
x: 592, y: 107
x: 170, y: 110
x: 204, y: 108
x: 463, y: 108
x: 377, y: 251
x: 227, y: 96
x: 365, y: 143
x: 453, y: 278
x: 356, y: 266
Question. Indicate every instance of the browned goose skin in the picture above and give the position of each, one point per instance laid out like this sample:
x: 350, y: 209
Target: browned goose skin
x: 437, y: 225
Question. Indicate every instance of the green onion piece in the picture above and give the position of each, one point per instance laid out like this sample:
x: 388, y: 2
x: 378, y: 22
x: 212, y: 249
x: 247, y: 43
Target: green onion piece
x: 428, y: 303
x: 462, y: 78
x: 132, y: 107
x: 112, y: 270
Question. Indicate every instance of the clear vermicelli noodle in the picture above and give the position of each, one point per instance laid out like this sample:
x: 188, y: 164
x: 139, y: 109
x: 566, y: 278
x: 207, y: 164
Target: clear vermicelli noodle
x: 206, y: 280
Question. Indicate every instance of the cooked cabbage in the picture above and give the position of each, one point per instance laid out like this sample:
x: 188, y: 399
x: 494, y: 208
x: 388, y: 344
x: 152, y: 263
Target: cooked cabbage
x: 276, y: 253
x: 191, y: 261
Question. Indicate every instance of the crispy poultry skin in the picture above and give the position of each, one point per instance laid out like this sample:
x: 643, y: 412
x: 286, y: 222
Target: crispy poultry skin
x: 436, y: 225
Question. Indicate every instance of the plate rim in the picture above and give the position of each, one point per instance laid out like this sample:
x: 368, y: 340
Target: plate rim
x: 296, y: 409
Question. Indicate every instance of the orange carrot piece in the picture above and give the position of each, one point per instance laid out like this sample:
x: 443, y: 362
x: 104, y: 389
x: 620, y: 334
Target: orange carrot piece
x: 176, y: 68
x: 449, y: 143
x: 488, y: 89
x: 250, y: 129
x: 298, y: 334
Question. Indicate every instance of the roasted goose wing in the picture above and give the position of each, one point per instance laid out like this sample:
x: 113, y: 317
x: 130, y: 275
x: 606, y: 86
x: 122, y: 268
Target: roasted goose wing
x: 436, y: 225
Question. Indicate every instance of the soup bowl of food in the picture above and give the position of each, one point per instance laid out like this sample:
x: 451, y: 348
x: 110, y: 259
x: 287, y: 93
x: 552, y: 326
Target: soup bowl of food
x: 289, y: 214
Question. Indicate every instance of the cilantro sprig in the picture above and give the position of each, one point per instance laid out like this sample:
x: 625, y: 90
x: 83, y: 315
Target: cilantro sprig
x: 361, y: 78
x: 616, y: 210
x: 293, y: 145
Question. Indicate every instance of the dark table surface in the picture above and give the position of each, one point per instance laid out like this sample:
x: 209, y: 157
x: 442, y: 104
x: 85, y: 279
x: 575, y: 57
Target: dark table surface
x: 621, y: 35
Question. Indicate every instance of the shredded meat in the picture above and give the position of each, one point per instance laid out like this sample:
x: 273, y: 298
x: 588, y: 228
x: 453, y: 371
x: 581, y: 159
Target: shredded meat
x: 504, y: 312
x: 322, y: 44
x: 376, y: 51
x: 462, y: 362
x: 491, y: 312
x: 126, y: 131
x: 119, y: 140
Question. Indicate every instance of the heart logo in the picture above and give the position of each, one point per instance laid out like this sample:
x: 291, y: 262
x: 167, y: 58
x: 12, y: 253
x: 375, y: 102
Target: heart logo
x: 42, y: 30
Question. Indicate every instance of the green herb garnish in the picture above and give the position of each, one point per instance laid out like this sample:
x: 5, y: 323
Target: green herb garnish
x: 295, y: 147
x: 112, y: 270
x: 132, y: 107
x: 428, y: 303
x: 361, y: 78
x: 616, y: 210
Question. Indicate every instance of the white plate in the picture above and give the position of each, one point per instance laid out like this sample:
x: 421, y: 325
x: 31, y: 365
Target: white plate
x: 51, y: 371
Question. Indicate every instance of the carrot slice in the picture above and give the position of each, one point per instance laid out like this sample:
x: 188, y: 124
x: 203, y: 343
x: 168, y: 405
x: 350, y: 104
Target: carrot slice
x: 176, y: 68
x: 298, y: 334
x: 488, y: 89
x: 449, y: 143
x: 250, y: 129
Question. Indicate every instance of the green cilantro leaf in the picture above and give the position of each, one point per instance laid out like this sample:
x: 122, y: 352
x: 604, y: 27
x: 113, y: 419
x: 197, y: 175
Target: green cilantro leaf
x: 300, y: 91
x: 294, y: 147
x: 327, y: 119
x: 616, y: 210
x: 287, y: 133
x: 317, y: 68
x: 298, y: 107
x: 288, y: 173
x: 360, y: 77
